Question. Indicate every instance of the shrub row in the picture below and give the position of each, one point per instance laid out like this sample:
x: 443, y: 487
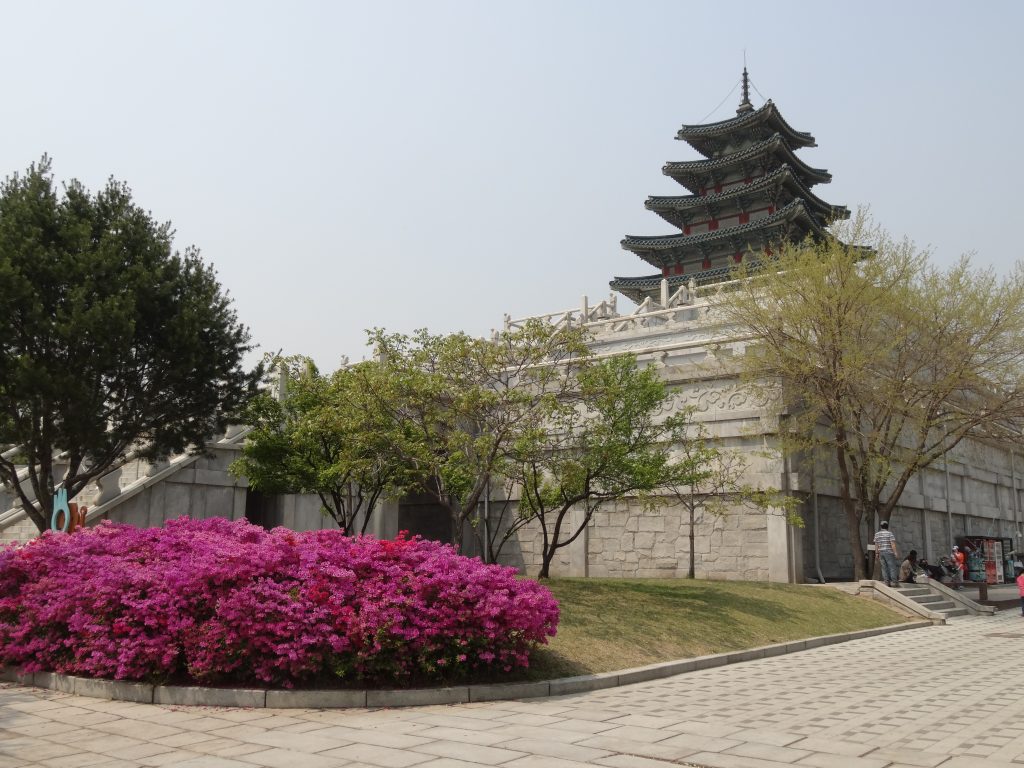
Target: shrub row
x: 220, y: 602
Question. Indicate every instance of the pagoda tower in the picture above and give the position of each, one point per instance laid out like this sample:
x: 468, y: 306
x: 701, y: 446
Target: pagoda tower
x: 748, y: 193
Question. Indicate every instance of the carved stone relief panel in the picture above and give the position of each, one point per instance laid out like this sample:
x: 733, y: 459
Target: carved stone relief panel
x: 721, y: 395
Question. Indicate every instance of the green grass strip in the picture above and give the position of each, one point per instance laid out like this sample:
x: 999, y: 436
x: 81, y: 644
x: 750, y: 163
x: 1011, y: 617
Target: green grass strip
x: 611, y: 624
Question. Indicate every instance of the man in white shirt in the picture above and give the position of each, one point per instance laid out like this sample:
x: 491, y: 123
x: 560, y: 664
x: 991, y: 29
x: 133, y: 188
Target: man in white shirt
x: 888, y: 555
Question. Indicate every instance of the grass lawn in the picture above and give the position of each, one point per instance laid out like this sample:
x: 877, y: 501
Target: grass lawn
x: 610, y: 624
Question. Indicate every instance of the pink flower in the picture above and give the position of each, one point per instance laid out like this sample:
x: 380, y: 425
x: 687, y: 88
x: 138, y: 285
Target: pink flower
x: 228, y: 602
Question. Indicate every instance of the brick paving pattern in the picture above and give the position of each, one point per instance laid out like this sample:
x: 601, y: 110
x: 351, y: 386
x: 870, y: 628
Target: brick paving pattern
x: 949, y: 696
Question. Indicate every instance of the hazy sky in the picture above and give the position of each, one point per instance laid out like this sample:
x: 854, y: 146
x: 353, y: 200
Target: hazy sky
x: 434, y: 164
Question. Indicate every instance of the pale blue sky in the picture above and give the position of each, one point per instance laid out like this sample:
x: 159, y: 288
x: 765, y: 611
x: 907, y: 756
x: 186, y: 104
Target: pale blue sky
x: 402, y: 164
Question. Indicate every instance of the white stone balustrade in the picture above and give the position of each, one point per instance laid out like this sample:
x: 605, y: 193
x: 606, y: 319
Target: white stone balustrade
x: 570, y: 317
x: 59, y: 470
x: 110, y: 487
x: 604, y: 317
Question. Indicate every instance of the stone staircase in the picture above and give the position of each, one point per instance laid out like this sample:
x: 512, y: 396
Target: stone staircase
x: 931, y: 599
x: 928, y: 599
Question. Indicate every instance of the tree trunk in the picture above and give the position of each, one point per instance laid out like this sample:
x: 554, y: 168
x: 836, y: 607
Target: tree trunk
x: 690, y: 573
x: 545, y: 566
x: 852, y: 517
x: 38, y: 518
x: 883, y: 510
x: 455, y: 518
x: 551, y: 545
x: 856, y: 545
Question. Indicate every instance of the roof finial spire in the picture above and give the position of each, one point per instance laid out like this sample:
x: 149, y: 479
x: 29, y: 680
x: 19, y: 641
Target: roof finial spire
x: 745, y: 105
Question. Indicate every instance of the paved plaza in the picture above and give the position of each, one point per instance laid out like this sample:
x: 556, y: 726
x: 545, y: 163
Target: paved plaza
x: 950, y: 696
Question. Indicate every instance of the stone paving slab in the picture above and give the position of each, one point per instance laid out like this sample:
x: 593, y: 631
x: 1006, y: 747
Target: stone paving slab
x: 881, y: 701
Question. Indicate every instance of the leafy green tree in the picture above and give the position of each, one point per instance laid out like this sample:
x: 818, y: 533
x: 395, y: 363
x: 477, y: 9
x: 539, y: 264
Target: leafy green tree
x: 883, y: 361
x: 325, y: 436
x: 110, y: 341
x: 458, y: 406
x: 603, y: 444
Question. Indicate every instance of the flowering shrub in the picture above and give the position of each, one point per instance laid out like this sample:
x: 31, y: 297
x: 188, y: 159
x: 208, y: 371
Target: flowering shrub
x: 215, y: 601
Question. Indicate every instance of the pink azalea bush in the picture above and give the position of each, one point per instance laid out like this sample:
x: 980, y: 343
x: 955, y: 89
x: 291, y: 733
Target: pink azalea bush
x: 219, y: 602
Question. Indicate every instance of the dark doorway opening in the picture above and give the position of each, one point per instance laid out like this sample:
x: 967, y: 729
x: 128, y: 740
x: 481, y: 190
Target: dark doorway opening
x: 262, y: 509
x: 421, y: 515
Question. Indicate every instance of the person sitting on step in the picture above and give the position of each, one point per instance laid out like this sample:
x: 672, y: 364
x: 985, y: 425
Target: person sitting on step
x: 936, y: 572
x: 908, y: 568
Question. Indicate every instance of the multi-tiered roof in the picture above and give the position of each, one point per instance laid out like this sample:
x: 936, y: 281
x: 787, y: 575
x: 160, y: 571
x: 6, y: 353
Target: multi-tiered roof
x: 749, y: 192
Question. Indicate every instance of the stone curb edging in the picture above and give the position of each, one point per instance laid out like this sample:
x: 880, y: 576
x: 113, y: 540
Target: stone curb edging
x: 145, y: 693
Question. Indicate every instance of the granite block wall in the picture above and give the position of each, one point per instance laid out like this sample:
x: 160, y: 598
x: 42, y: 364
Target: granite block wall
x: 982, y: 482
x: 625, y: 540
x: 201, y: 490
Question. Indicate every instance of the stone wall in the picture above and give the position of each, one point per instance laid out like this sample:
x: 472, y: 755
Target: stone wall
x: 981, y: 481
x: 300, y: 512
x: 625, y: 540
x: 22, y: 530
x: 205, y: 488
x: 628, y: 541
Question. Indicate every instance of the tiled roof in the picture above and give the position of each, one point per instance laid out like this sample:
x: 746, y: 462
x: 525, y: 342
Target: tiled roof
x: 701, y: 137
x: 758, y: 145
x: 796, y: 209
x: 783, y: 174
x: 689, y: 173
x: 637, y: 287
x: 674, y: 281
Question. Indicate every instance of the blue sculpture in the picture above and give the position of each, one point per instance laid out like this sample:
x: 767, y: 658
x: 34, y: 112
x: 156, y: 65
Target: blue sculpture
x: 60, y: 504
